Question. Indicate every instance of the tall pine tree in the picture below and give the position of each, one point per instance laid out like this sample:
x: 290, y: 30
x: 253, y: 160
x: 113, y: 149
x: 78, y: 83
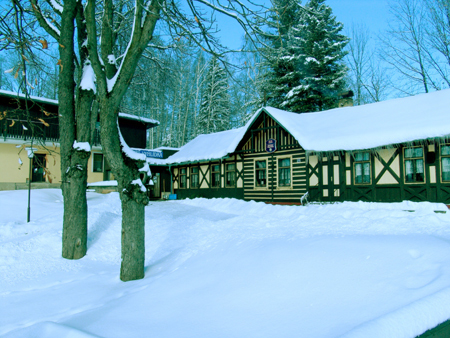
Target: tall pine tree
x: 214, y: 112
x: 278, y: 63
x: 316, y: 47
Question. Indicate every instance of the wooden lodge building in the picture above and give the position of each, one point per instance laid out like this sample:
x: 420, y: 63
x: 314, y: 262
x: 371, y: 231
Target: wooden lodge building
x: 39, y: 131
x: 385, y: 152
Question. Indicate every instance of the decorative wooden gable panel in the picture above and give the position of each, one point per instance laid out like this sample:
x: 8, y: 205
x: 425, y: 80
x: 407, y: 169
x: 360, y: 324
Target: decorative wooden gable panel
x: 263, y: 129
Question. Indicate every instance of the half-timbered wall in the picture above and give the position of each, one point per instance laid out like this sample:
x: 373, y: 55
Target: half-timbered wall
x: 200, y: 179
x: 388, y: 177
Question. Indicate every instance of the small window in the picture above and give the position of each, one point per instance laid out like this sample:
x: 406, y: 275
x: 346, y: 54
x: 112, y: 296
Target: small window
x: 194, y: 177
x: 230, y: 174
x: 215, y: 176
x: 414, y: 165
x: 261, y: 173
x: 284, y: 172
x: 182, y: 178
x: 98, y: 163
x: 362, y: 168
x: 445, y: 160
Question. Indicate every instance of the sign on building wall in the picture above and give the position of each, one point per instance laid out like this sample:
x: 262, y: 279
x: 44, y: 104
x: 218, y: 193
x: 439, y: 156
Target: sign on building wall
x: 149, y: 153
x: 271, y: 145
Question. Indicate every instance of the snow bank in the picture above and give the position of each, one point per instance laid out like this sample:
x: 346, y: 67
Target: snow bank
x: 227, y: 268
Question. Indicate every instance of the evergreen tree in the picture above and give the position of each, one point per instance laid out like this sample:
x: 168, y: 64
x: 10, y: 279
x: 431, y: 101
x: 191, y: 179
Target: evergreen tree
x: 278, y: 63
x: 315, y: 53
x: 214, y: 112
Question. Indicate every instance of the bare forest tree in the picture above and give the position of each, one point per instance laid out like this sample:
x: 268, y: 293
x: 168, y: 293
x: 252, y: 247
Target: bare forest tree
x: 416, y: 45
x: 367, y: 73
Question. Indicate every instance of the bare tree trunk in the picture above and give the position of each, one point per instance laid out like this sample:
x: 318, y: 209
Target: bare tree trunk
x: 133, y: 239
x: 73, y: 163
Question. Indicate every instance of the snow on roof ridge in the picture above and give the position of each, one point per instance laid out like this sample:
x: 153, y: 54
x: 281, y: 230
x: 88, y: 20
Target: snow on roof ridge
x: 32, y: 97
x: 138, y: 118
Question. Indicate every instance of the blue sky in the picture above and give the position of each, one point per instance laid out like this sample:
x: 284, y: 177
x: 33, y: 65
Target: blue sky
x: 372, y: 13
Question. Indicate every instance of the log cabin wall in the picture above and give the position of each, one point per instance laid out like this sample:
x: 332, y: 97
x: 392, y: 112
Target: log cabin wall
x: 279, y: 176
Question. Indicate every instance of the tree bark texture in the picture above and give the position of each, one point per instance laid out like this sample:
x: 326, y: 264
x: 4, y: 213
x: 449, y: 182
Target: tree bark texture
x: 133, y: 239
x: 73, y: 163
x: 75, y: 208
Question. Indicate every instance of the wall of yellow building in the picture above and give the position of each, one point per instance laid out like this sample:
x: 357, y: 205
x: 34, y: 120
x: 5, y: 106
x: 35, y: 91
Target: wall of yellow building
x: 15, y: 164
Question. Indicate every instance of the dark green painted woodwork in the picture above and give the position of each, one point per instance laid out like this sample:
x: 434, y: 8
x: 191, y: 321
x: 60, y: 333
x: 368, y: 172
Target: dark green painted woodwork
x: 376, y: 192
x: 210, y: 193
x: 252, y: 148
x: 440, y: 331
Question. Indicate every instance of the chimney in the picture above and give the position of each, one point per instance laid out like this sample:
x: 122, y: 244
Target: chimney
x: 346, y: 99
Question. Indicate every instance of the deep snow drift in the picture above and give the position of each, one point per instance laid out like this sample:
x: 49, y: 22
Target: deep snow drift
x: 227, y: 268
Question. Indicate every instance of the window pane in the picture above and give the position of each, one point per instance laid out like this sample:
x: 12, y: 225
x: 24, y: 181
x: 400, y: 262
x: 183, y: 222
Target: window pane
x: 194, y: 170
x: 215, y: 168
x: 366, y: 157
x: 260, y: 164
x: 418, y: 152
x: 358, y: 157
x: 260, y: 173
x: 419, y: 166
x: 445, y: 150
x: 183, y: 170
x: 230, y: 166
x: 215, y: 178
x: 366, y: 176
x: 358, y: 172
x: 98, y: 163
x: 285, y: 162
x: 408, y: 153
x: 446, y: 169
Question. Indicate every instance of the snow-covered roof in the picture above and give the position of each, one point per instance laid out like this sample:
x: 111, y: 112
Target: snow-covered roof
x: 55, y: 102
x: 22, y: 96
x: 420, y: 117
x: 167, y: 148
x: 209, y: 146
x: 414, y: 118
x: 138, y: 118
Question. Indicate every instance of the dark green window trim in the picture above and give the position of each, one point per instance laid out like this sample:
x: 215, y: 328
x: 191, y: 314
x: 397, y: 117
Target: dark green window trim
x: 183, y: 178
x: 414, y: 164
x: 362, y: 168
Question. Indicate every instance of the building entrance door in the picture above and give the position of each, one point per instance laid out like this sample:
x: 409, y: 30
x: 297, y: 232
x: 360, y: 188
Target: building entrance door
x: 332, y: 178
x: 38, y: 168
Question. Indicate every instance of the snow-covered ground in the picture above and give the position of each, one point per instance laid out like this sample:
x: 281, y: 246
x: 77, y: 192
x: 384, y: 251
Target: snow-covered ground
x: 227, y: 268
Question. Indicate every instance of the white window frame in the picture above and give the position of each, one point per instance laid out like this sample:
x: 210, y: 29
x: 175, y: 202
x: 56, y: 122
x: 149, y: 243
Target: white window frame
x: 266, y: 186
x: 290, y: 186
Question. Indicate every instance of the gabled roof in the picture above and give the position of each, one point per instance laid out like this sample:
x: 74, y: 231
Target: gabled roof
x: 209, y: 146
x: 414, y: 118
x: 145, y: 120
x: 13, y: 95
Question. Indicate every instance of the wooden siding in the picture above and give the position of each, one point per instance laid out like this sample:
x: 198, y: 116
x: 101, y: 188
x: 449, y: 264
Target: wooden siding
x: 274, y: 193
x: 253, y: 148
x: 267, y: 128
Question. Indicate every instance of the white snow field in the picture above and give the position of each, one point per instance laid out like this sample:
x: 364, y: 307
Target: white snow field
x: 227, y: 268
